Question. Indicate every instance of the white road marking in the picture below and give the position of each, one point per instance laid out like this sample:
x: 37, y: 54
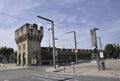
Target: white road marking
x: 71, y: 80
x: 67, y: 76
x: 24, y: 79
x: 6, y: 80
x: 41, y: 79
x: 50, y: 77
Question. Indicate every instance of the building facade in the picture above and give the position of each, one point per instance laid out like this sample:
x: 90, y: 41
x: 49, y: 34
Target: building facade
x: 28, y: 39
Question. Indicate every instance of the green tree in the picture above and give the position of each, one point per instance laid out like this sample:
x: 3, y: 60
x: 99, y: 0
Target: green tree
x: 10, y: 52
x: 15, y: 54
x: 117, y: 50
x: 6, y: 52
x: 109, y: 50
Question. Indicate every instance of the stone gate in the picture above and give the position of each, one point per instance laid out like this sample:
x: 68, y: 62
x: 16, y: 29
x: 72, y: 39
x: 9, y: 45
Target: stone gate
x: 28, y: 39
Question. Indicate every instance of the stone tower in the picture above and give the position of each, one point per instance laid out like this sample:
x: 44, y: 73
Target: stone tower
x: 28, y: 39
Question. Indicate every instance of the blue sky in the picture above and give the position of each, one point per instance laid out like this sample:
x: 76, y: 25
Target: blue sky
x: 68, y: 15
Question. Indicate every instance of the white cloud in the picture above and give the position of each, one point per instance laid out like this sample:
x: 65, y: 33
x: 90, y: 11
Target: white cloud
x: 83, y: 21
x: 1, y: 4
x: 110, y: 33
x: 67, y: 3
x: 14, y: 7
x: 72, y: 19
x: 67, y: 40
x: 56, y: 16
x: 82, y: 10
x: 7, y: 37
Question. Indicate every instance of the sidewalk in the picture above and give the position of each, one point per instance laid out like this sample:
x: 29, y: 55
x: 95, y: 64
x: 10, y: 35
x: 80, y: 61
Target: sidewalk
x: 87, y: 69
x: 90, y: 69
x: 10, y: 66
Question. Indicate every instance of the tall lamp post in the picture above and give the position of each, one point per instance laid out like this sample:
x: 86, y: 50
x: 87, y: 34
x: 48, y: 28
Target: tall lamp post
x: 96, y: 47
x: 53, y: 38
x: 75, y: 42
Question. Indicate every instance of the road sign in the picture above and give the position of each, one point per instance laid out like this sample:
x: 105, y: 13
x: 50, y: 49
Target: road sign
x: 56, y: 52
x: 75, y: 50
x: 101, y: 55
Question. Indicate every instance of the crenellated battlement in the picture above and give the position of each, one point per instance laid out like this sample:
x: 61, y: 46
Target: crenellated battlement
x: 29, y: 32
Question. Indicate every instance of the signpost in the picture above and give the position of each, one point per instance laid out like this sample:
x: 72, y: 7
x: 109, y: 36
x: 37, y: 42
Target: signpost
x: 101, y: 55
x: 75, y: 50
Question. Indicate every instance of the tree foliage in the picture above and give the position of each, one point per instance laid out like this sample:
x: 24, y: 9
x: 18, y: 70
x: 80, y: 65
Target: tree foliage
x: 6, y: 52
x: 117, y: 51
x: 15, y: 54
x: 112, y: 50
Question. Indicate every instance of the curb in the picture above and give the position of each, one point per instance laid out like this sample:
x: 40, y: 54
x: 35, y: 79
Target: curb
x: 11, y: 68
x: 58, y: 70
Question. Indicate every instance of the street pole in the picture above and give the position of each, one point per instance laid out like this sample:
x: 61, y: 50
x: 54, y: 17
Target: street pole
x: 53, y: 38
x: 96, y: 48
x: 75, y: 42
x: 75, y: 47
x: 100, y: 43
x: 101, y: 55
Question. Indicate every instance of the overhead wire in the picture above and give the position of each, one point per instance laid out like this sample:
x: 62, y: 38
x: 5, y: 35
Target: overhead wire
x: 12, y: 16
x: 5, y: 14
x: 16, y: 17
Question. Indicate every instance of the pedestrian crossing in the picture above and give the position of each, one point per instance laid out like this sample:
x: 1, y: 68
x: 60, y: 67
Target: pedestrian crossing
x: 46, y: 77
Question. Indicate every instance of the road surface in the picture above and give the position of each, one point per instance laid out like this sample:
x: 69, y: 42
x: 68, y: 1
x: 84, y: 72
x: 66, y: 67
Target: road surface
x: 38, y: 74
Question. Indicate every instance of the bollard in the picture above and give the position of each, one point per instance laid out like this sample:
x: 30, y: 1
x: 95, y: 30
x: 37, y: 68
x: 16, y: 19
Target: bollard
x: 102, y: 65
x: 73, y: 67
x: 64, y: 67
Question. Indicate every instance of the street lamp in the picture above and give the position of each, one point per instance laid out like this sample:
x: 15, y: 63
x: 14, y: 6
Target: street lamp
x: 53, y: 38
x: 96, y: 48
x: 75, y: 42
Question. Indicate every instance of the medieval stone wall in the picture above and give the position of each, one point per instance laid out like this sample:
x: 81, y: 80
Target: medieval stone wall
x: 64, y: 55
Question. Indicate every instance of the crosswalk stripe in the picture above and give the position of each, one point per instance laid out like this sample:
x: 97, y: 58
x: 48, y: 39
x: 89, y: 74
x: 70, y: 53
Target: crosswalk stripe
x: 41, y: 79
x: 50, y: 77
x: 58, y: 75
x: 23, y: 79
x: 71, y: 80
x: 6, y: 80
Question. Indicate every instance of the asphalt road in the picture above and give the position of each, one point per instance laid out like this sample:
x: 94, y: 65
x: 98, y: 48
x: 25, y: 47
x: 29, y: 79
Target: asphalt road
x: 38, y: 74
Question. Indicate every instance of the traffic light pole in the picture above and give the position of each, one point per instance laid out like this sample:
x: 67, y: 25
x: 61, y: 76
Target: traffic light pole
x: 75, y: 47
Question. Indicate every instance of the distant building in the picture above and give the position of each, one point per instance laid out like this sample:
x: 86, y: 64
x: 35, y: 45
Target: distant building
x: 28, y: 39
